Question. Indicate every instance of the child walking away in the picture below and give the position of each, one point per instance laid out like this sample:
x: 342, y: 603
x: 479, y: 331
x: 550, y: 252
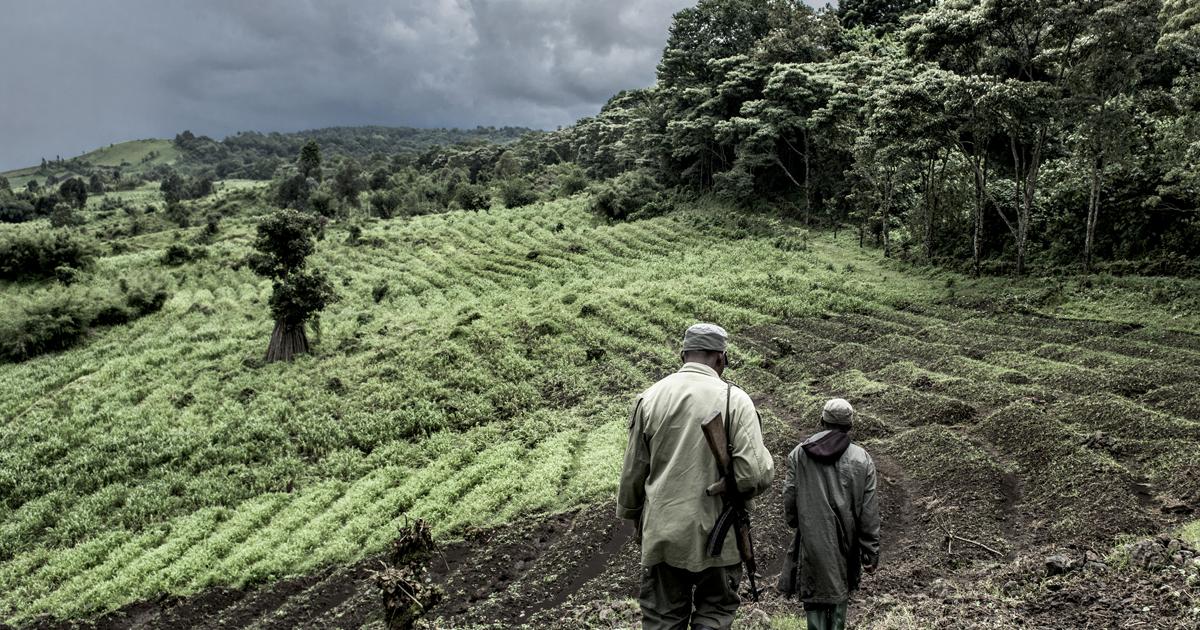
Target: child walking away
x: 829, y: 499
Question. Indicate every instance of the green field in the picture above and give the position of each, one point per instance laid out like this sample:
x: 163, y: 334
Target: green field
x: 491, y: 380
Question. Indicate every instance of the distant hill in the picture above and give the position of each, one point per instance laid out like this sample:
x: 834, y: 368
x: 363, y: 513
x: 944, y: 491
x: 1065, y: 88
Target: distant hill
x: 134, y: 156
x: 255, y: 155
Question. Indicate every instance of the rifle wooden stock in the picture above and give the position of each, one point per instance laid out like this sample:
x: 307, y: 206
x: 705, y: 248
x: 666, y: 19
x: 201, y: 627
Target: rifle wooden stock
x: 734, y: 514
x: 718, y: 441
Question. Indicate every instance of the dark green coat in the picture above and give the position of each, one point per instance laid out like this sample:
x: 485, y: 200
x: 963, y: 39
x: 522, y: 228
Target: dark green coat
x: 832, y: 506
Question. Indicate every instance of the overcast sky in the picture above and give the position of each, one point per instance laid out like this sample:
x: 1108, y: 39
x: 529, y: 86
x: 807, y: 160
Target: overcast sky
x: 79, y: 74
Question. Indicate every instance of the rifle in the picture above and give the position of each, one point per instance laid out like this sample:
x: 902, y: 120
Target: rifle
x: 733, y: 511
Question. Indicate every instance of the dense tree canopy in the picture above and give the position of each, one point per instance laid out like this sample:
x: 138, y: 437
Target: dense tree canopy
x: 999, y: 132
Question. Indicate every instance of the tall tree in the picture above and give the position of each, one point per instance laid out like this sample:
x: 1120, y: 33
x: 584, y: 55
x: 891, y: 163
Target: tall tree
x: 347, y: 182
x: 309, y: 163
x: 1117, y: 41
x: 282, y: 246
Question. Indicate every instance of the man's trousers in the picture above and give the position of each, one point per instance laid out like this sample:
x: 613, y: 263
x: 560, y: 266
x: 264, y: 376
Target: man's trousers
x: 672, y: 598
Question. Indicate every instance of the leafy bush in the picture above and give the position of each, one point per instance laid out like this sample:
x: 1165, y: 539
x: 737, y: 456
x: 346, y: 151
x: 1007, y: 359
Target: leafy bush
x: 516, y: 192
x: 572, y: 180
x: 67, y: 275
x: 379, y: 291
x: 51, y: 322
x: 14, y: 209
x: 33, y: 252
x: 58, y: 317
x: 143, y: 298
x: 64, y: 215
x: 385, y: 203
x: 178, y: 254
x: 472, y: 197
x: 630, y: 195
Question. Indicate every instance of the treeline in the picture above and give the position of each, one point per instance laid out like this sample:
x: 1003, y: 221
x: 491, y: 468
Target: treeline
x: 991, y: 134
x: 465, y: 176
x: 253, y: 155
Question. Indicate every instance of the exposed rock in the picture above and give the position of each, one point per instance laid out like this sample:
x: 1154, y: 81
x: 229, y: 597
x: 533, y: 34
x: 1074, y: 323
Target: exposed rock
x: 1058, y: 565
x: 1161, y: 552
x: 1175, y: 506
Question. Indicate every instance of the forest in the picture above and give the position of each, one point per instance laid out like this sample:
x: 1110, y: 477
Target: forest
x: 993, y: 136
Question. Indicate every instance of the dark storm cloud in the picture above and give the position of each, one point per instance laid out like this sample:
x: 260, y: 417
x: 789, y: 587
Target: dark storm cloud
x: 79, y: 74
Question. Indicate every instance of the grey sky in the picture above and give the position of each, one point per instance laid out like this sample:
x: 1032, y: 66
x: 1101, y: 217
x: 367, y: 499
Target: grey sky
x: 78, y: 74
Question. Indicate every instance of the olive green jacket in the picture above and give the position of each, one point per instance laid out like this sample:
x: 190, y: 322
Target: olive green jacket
x: 668, y: 465
x: 834, y: 510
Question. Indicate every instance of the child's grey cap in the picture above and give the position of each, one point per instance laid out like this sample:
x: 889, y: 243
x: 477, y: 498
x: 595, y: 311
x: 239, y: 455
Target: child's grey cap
x: 709, y: 337
x: 838, y: 411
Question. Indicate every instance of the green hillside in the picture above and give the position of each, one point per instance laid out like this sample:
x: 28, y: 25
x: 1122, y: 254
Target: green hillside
x: 135, y: 156
x: 477, y: 368
x: 136, y: 153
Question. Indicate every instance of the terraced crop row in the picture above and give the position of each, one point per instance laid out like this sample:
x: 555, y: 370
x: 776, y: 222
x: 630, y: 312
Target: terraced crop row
x: 1072, y: 428
x: 490, y: 379
x: 524, y: 331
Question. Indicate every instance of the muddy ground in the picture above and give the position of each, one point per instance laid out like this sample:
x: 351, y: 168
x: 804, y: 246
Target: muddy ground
x: 1000, y: 440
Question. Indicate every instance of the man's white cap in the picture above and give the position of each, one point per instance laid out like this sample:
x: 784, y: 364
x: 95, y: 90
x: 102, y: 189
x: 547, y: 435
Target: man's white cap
x: 709, y: 337
x: 838, y: 411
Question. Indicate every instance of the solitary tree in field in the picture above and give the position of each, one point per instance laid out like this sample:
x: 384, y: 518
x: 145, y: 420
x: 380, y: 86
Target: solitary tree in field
x: 4, y: 185
x: 285, y: 240
x: 74, y: 192
x: 310, y: 160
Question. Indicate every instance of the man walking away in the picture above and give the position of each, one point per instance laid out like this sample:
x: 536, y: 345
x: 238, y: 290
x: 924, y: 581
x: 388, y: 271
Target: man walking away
x: 829, y: 499
x: 667, y: 467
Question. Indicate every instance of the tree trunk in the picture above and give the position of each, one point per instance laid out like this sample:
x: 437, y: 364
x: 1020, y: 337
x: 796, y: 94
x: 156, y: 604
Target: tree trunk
x: 286, y: 342
x: 1026, y: 176
x: 928, y: 178
x: 1093, y: 214
x: 980, y: 203
x: 889, y: 196
x: 807, y: 183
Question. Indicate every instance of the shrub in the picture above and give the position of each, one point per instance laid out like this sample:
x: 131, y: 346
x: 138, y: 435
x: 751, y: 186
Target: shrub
x: 179, y: 214
x: 212, y: 227
x: 36, y: 253
x: 385, y: 203
x: 178, y: 254
x: 57, y: 318
x: 323, y: 203
x: 472, y: 197
x: 630, y: 195
x: 64, y: 215
x: 516, y: 192
x: 47, y: 323
x: 14, y: 209
x: 67, y: 275
x: 572, y: 180
x: 146, y: 296
x: 379, y: 291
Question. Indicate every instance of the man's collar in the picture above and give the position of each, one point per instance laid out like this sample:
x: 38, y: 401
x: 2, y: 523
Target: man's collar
x: 699, y: 368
